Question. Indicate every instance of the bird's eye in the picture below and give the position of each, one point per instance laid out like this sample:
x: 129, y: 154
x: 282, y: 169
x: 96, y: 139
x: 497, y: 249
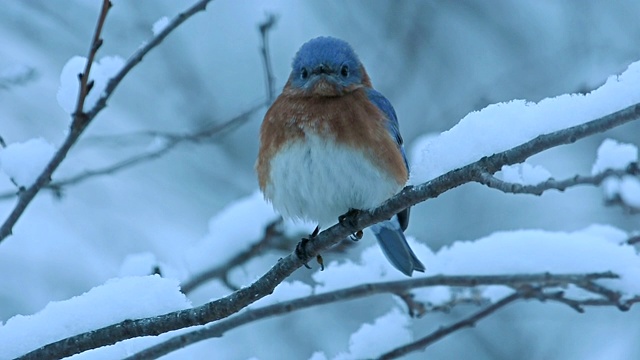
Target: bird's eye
x: 344, y: 70
x: 304, y: 74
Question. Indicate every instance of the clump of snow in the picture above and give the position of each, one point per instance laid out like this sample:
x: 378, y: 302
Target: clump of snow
x: 503, y: 126
x: 371, y: 340
x: 524, y: 174
x: 234, y: 229
x: 594, y: 249
x: 23, y: 162
x: 285, y: 291
x: 614, y: 155
x: 415, y: 150
x: 101, y: 72
x: 115, y: 301
x: 617, y: 156
x: 630, y: 191
x: 160, y: 25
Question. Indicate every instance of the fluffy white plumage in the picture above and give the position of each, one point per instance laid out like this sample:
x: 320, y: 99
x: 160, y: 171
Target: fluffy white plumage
x: 319, y: 180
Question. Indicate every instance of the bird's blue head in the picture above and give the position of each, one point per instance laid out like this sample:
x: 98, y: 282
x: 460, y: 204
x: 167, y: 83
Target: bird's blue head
x: 327, y: 66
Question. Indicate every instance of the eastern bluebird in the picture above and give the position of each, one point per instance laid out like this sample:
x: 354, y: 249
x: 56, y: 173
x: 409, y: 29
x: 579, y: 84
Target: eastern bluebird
x: 330, y: 143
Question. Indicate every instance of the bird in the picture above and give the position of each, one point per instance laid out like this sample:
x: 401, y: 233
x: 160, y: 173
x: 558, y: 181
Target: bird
x: 330, y: 144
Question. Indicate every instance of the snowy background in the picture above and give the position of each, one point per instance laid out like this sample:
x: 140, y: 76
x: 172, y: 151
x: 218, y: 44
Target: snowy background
x: 435, y: 61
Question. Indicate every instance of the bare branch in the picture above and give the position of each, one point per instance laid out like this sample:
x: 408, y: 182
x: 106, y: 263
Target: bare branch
x: 264, y: 28
x: 79, y: 117
x: 560, y: 185
x: 82, y: 119
x: 265, y: 285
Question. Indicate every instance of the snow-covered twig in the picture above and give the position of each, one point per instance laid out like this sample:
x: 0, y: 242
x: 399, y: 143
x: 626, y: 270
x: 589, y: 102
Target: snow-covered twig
x: 524, y: 285
x: 265, y: 285
x: 491, y: 181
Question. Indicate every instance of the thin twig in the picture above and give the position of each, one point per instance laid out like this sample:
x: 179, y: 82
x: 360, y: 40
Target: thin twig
x: 82, y: 119
x: 79, y: 117
x: 560, y: 185
x: 264, y: 28
x: 446, y: 330
x: 265, y: 285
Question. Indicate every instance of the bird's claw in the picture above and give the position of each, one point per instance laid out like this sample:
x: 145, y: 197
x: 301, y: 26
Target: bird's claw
x: 320, y: 261
x: 350, y: 218
x: 301, y: 250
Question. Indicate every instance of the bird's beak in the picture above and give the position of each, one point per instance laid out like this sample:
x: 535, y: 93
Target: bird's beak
x: 322, y: 70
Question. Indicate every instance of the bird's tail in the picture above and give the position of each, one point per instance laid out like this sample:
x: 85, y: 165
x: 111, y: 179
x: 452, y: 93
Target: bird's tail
x: 395, y: 247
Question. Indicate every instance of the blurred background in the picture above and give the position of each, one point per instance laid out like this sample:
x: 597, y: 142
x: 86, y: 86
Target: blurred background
x: 436, y: 61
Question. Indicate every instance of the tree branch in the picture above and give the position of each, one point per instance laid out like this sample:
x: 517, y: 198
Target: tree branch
x: 491, y: 181
x: 523, y: 282
x: 265, y: 285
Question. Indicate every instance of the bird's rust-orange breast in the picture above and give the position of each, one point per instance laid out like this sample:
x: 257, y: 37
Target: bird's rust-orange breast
x: 350, y: 119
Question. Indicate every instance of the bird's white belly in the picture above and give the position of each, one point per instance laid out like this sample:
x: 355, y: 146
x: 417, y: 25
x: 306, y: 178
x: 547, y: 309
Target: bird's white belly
x: 318, y: 180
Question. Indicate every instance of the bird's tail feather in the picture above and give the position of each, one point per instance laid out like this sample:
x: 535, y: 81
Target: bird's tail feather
x: 395, y: 247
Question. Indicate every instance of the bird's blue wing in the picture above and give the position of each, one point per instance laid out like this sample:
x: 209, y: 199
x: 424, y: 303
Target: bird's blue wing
x: 392, y: 119
x: 390, y: 233
x: 394, y: 129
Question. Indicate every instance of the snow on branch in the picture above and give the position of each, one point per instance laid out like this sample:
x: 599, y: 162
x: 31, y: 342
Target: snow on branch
x: 560, y: 185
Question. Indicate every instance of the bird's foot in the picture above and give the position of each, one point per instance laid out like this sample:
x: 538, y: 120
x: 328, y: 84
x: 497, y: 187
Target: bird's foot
x: 350, y: 218
x: 301, y: 250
